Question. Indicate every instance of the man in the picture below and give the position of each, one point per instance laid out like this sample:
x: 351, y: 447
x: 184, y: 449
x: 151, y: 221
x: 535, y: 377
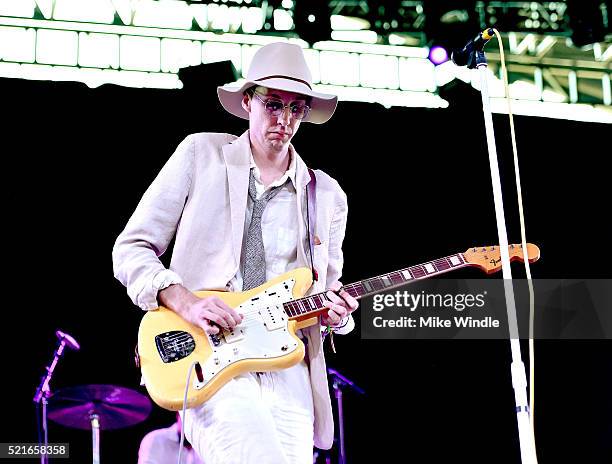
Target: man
x: 238, y: 209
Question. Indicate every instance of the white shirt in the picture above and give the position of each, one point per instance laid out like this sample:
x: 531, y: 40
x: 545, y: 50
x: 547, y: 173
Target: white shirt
x: 279, y: 226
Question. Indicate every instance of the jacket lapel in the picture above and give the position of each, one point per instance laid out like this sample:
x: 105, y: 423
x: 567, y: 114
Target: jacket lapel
x: 237, y: 162
x: 313, y: 333
x: 302, y: 178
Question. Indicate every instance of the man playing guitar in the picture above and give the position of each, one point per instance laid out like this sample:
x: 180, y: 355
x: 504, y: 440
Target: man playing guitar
x: 238, y: 210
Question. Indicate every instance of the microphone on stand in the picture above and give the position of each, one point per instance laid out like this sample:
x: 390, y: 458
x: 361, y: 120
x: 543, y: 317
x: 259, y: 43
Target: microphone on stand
x: 464, y: 56
x: 69, y: 340
x: 43, y: 392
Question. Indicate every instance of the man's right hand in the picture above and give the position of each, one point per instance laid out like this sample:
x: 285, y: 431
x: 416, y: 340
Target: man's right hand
x: 210, y: 313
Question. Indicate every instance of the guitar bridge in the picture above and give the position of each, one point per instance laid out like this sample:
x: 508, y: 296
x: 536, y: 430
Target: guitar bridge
x: 174, y: 346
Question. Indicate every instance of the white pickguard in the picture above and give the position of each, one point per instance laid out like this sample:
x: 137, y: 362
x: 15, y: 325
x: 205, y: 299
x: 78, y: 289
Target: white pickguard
x: 263, y: 333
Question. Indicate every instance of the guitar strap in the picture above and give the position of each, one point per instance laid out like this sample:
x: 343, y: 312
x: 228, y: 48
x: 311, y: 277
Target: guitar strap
x: 311, y: 212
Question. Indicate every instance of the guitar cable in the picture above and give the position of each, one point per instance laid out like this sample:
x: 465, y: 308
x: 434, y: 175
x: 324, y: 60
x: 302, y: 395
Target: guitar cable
x: 181, y: 444
x: 523, y: 234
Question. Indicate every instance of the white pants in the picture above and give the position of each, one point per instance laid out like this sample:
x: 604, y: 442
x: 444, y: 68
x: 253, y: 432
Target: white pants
x: 259, y: 418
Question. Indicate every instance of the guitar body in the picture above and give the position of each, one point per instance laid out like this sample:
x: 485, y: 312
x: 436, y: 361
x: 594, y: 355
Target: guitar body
x: 264, y: 341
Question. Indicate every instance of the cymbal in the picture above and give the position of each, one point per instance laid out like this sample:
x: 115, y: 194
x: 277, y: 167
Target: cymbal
x: 116, y: 407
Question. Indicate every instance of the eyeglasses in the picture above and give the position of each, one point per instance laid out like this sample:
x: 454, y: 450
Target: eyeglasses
x: 275, y: 107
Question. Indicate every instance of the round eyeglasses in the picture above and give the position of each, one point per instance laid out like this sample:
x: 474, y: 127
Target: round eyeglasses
x: 274, y: 107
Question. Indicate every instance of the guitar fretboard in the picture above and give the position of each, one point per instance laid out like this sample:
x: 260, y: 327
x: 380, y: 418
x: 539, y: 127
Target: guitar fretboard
x: 313, y: 303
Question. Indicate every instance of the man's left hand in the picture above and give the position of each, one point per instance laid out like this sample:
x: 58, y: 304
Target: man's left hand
x: 340, y: 305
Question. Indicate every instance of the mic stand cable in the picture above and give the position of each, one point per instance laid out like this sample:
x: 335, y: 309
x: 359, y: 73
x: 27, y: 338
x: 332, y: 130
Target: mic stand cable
x: 519, y: 381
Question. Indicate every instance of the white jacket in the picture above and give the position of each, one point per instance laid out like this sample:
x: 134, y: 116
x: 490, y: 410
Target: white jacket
x: 200, y: 196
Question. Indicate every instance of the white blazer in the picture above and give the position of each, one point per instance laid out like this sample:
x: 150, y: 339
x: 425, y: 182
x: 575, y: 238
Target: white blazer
x: 200, y: 197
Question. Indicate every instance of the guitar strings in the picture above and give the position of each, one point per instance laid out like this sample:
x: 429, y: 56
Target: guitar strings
x: 183, y: 338
x: 354, y: 289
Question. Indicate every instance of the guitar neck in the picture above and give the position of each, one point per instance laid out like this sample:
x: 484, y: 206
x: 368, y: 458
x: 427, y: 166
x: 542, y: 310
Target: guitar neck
x: 312, y: 305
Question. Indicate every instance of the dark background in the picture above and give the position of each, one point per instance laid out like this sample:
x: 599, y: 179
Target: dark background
x: 76, y: 161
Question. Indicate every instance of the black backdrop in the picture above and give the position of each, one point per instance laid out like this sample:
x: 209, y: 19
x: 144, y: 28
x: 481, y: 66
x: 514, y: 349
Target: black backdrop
x: 77, y: 160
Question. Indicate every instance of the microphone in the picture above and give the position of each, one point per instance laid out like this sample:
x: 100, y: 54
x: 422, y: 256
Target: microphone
x: 463, y: 57
x: 70, y: 341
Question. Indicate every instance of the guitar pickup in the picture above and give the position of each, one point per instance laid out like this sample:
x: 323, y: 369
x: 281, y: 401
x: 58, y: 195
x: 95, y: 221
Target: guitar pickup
x: 234, y: 335
x: 273, y: 317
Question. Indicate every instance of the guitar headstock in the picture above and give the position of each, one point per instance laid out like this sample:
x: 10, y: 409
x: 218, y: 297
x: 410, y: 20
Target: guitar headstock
x: 489, y: 258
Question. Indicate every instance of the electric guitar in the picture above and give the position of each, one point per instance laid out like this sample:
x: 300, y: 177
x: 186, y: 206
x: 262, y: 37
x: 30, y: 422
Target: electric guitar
x: 265, y: 340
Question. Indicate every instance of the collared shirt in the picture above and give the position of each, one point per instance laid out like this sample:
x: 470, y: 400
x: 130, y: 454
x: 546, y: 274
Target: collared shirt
x: 279, y: 225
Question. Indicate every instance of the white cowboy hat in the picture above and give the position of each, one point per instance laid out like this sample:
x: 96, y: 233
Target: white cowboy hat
x: 280, y: 66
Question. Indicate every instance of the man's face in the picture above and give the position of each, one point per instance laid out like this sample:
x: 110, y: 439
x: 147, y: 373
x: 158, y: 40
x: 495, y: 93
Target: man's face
x: 272, y: 133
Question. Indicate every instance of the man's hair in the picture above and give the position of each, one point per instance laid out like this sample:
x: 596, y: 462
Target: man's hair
x: 250, y: 91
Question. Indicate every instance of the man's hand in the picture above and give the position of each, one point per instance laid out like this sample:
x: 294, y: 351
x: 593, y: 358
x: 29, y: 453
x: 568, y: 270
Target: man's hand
x: 339, y: 306
x: 209, y: 313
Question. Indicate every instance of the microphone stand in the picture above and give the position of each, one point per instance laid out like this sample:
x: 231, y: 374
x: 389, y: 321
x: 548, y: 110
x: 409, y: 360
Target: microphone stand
x: 519, y: 380
x: 338, y: 383
x: 43, y: 392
